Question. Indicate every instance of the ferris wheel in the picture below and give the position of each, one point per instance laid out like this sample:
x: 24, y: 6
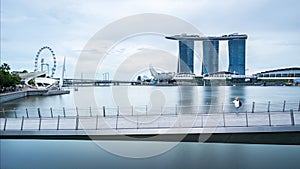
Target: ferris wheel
x: 42, y: 60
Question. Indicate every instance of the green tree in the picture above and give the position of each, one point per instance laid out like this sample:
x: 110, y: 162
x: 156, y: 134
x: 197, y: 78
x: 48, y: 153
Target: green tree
x: 7, y: 79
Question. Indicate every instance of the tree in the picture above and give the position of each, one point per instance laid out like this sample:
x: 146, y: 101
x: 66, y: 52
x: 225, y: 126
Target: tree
x: 7, y: 79
x: 5, y: 68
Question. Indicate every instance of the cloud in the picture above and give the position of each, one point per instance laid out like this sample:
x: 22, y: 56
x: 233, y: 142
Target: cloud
x: 67, y: 26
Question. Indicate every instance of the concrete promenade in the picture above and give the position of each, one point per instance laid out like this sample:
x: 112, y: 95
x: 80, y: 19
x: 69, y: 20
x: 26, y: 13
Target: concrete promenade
x: 6, y: 97
x: 263, y: 127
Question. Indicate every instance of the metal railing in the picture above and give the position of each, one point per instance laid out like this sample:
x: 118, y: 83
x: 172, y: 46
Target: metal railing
x: 151, y: 121
x: 253, y: 107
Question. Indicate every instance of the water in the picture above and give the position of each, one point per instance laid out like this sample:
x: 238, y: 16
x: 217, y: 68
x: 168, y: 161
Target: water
x: 154, y: 99
x: 22, y: 153
x: 28, y: 154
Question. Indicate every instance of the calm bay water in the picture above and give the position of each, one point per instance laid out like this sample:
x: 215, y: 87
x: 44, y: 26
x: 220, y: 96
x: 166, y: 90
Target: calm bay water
x: 86, y: 154
x: 29, y: 154
x: 191, y: 99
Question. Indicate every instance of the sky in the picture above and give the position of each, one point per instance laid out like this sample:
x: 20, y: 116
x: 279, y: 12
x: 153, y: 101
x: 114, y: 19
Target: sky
x: 69, y: 26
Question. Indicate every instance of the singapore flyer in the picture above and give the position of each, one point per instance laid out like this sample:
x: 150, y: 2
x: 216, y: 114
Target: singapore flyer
x: 45, y: 61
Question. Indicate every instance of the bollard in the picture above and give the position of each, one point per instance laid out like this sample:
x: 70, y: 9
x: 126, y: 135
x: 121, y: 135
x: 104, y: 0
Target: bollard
x: 64, y: 111
x: 103, y: 108
x: 51, y: 112
x: 283, y: 109
x: 292, y: 117
x: 58, y: 118
x: 269, y: 103
x: 253, y: 107
x: 22, y: 123
x: 39, y: 112
x: 27, y: 113
x: 5, y: 122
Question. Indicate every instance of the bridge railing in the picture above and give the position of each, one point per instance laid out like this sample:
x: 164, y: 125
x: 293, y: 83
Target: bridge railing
x: 151, y: 121
x: 250, y: 107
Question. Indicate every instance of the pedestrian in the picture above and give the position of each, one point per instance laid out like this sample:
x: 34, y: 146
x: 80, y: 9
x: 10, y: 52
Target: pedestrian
x: 237, y: 104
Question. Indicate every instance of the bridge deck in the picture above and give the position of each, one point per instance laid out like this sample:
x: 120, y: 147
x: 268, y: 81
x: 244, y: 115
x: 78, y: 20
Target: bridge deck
x: 154, y: 122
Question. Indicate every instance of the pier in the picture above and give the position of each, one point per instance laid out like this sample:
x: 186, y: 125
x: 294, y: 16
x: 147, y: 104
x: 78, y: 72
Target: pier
x: 172, y: 124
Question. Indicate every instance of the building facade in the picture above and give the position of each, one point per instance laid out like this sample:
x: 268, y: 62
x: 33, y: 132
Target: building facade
x: 237, y: 55
x: 210, y: 63
x: 186, y: 56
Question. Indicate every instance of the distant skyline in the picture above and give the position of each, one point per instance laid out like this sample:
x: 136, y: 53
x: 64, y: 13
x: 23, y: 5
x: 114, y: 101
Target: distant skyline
x: 66, y: 26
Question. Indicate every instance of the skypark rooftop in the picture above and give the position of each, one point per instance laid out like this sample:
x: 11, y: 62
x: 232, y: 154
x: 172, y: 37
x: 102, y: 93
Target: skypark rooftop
x: 203, y: 38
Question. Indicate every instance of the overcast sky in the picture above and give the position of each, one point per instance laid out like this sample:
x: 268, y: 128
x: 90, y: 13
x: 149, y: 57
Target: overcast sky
x: 273, y: 28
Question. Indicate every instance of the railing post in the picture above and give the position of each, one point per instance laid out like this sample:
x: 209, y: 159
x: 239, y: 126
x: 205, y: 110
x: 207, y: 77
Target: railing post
x: 77, y: 121
x: 202, y: 121
x: 292, y: 117
x: 91, y: 111
x: 77, y: 113
x: 103, y: 108
x: 137, y: 120
x: 132, y: 110
x: 299, y: 106
x: 118, y: 110
x: 283, y: 109
x: 146, y: 110
x: 15, y: 112
x: 117, y: 119
x: 269, y: 103
x: 176, y: 111
x: 27, y: 115
x: 253, y: 107
x: 97, y: 116
x: 51, y: 112
x: 40, y: 123
x: 224, y: 118
x: 270, y: 124
x: 39, y: 112
x: 5, y: 122
x: 22, y: 123
x: 58, y: 118
x: 247, y: 122
x: 64, y: 111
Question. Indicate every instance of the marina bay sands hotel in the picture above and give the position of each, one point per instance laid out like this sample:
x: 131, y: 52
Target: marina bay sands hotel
x: 210, y: 62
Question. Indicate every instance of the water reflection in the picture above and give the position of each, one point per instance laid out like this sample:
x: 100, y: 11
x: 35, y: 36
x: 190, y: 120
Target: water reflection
x: 159, y: 99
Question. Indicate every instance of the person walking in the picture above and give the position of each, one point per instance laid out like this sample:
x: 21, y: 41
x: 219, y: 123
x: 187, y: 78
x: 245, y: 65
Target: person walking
x: 237, y: 104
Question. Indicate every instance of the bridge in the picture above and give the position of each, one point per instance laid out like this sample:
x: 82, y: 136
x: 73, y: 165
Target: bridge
x: 276, y: 127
